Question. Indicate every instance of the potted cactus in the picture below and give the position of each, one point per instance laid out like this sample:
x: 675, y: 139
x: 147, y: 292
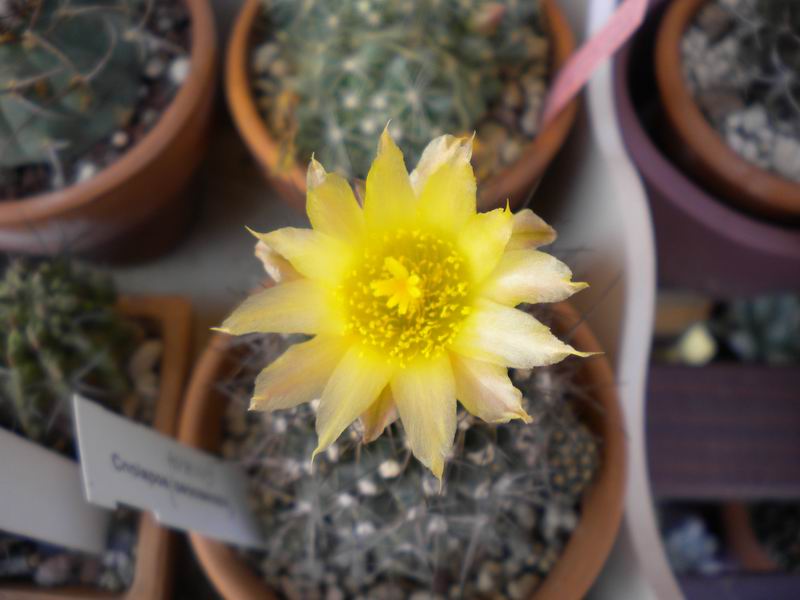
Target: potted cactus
x: 725, y: 72
x: 67, y: 332
x: 103, y: 117
x: 705, y: 241
x: 303, y: 77
x: 412, y: 302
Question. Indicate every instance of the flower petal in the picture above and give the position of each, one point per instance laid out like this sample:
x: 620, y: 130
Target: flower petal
x: 313, y: 254
x: 298, y: 375
x: 300, y: 306
x: 530, y: 276
x: 486, y: 391
x: 445, y: 183
x: 530, y: 231
x: 277, y: 267
x: 483, y: 240
x: 331, y: 205
x: 379, y: 416
x: 355, y: 385
x: 425, y: 395
x: 506, y: 336
x: 389, y: 201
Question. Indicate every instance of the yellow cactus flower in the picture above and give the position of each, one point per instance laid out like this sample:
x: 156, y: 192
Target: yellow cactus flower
x: 410, y: 299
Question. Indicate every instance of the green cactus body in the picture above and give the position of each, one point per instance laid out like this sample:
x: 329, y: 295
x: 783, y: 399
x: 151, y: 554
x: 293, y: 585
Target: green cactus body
x: 334, y: 74
x: 369, y: 520
x: 69, y: 75
x: 63, y: 335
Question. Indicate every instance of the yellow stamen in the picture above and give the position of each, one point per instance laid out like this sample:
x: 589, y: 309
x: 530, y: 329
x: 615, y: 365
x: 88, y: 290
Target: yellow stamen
x: 403, y: 288
x: 407, y: 295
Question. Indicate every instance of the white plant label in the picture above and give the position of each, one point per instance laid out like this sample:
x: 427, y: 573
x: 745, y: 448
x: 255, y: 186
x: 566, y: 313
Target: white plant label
x: 185, y: 488
x: 41, y: 497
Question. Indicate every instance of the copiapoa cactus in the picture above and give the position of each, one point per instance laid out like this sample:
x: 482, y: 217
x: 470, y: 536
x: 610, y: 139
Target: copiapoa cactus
x: 69, y: 76
x: 334, y: 74
x: 368, y: 521
x: 61, y: 334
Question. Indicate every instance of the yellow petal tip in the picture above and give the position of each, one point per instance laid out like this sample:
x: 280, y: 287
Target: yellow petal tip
x: 253, y: 232
x: 316, y: 174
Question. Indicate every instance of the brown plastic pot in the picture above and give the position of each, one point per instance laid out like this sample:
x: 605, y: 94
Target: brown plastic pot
x: 587, y: 549
x: 742, y: 539
x: 698, y: 146
x: 141, y: 195
x: 155, y: 544
x: 514, y: 183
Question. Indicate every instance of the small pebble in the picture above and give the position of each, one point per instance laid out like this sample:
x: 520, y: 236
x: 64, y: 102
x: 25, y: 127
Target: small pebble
x: 154, y: 68
x: 389, y: 469
x: 179, y: 70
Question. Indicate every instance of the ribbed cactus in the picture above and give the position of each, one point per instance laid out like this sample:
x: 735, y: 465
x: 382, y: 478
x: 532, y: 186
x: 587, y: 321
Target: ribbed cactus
x: 334, y: 74
x: 69, y: 75
x: 369, y: 521
x: 61, y: 334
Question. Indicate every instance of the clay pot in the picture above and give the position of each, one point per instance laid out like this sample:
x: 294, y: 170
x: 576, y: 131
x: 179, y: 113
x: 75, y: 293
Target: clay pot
x: 586, y: 550
x: 703, y: 243
x: 515, y: 182
x: 141, y: 195
x: 699, y: 147
x: 742, y: 539
x: 155, y: 544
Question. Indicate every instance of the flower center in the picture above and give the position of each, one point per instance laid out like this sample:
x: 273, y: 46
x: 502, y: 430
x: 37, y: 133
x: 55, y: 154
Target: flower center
x: 408, y: 295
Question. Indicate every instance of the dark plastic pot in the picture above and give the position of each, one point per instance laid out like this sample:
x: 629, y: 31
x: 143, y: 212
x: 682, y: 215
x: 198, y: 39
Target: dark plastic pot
x: 702, y: 242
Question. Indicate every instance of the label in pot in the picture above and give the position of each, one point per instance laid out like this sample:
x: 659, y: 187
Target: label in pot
x: 127, y: 463
x: 577, y: 71
x: 41, y: 497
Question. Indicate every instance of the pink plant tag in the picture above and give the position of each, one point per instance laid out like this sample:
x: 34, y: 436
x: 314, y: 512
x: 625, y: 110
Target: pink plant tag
x: 579, y: 68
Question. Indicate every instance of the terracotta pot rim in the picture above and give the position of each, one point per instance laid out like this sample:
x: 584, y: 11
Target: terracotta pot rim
x: 190, y: 95
x: 750, y: 186
x: 743, y: 540
x: 671, y: 182
x: 535, y: 156
x: 582, y: 558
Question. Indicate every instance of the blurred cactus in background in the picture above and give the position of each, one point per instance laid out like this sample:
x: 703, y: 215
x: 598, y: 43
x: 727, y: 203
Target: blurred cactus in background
x: 333, y: 74
x: 770, y: 54
x: 764, y: 329
x: 61, y: 334
x: 69, y: 76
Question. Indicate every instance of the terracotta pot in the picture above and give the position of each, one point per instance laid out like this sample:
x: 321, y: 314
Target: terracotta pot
x: 742, y: 539
x: 155, y: 544
x: 703, y: 243
x: 700, y: 148
x: 586, y: 550
x: 141, y: 195
x: 514, y: 182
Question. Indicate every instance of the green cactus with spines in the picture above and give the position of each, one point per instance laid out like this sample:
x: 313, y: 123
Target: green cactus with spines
x: 63, y: 334
x: 339, y: 72
x: 69, y: 76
